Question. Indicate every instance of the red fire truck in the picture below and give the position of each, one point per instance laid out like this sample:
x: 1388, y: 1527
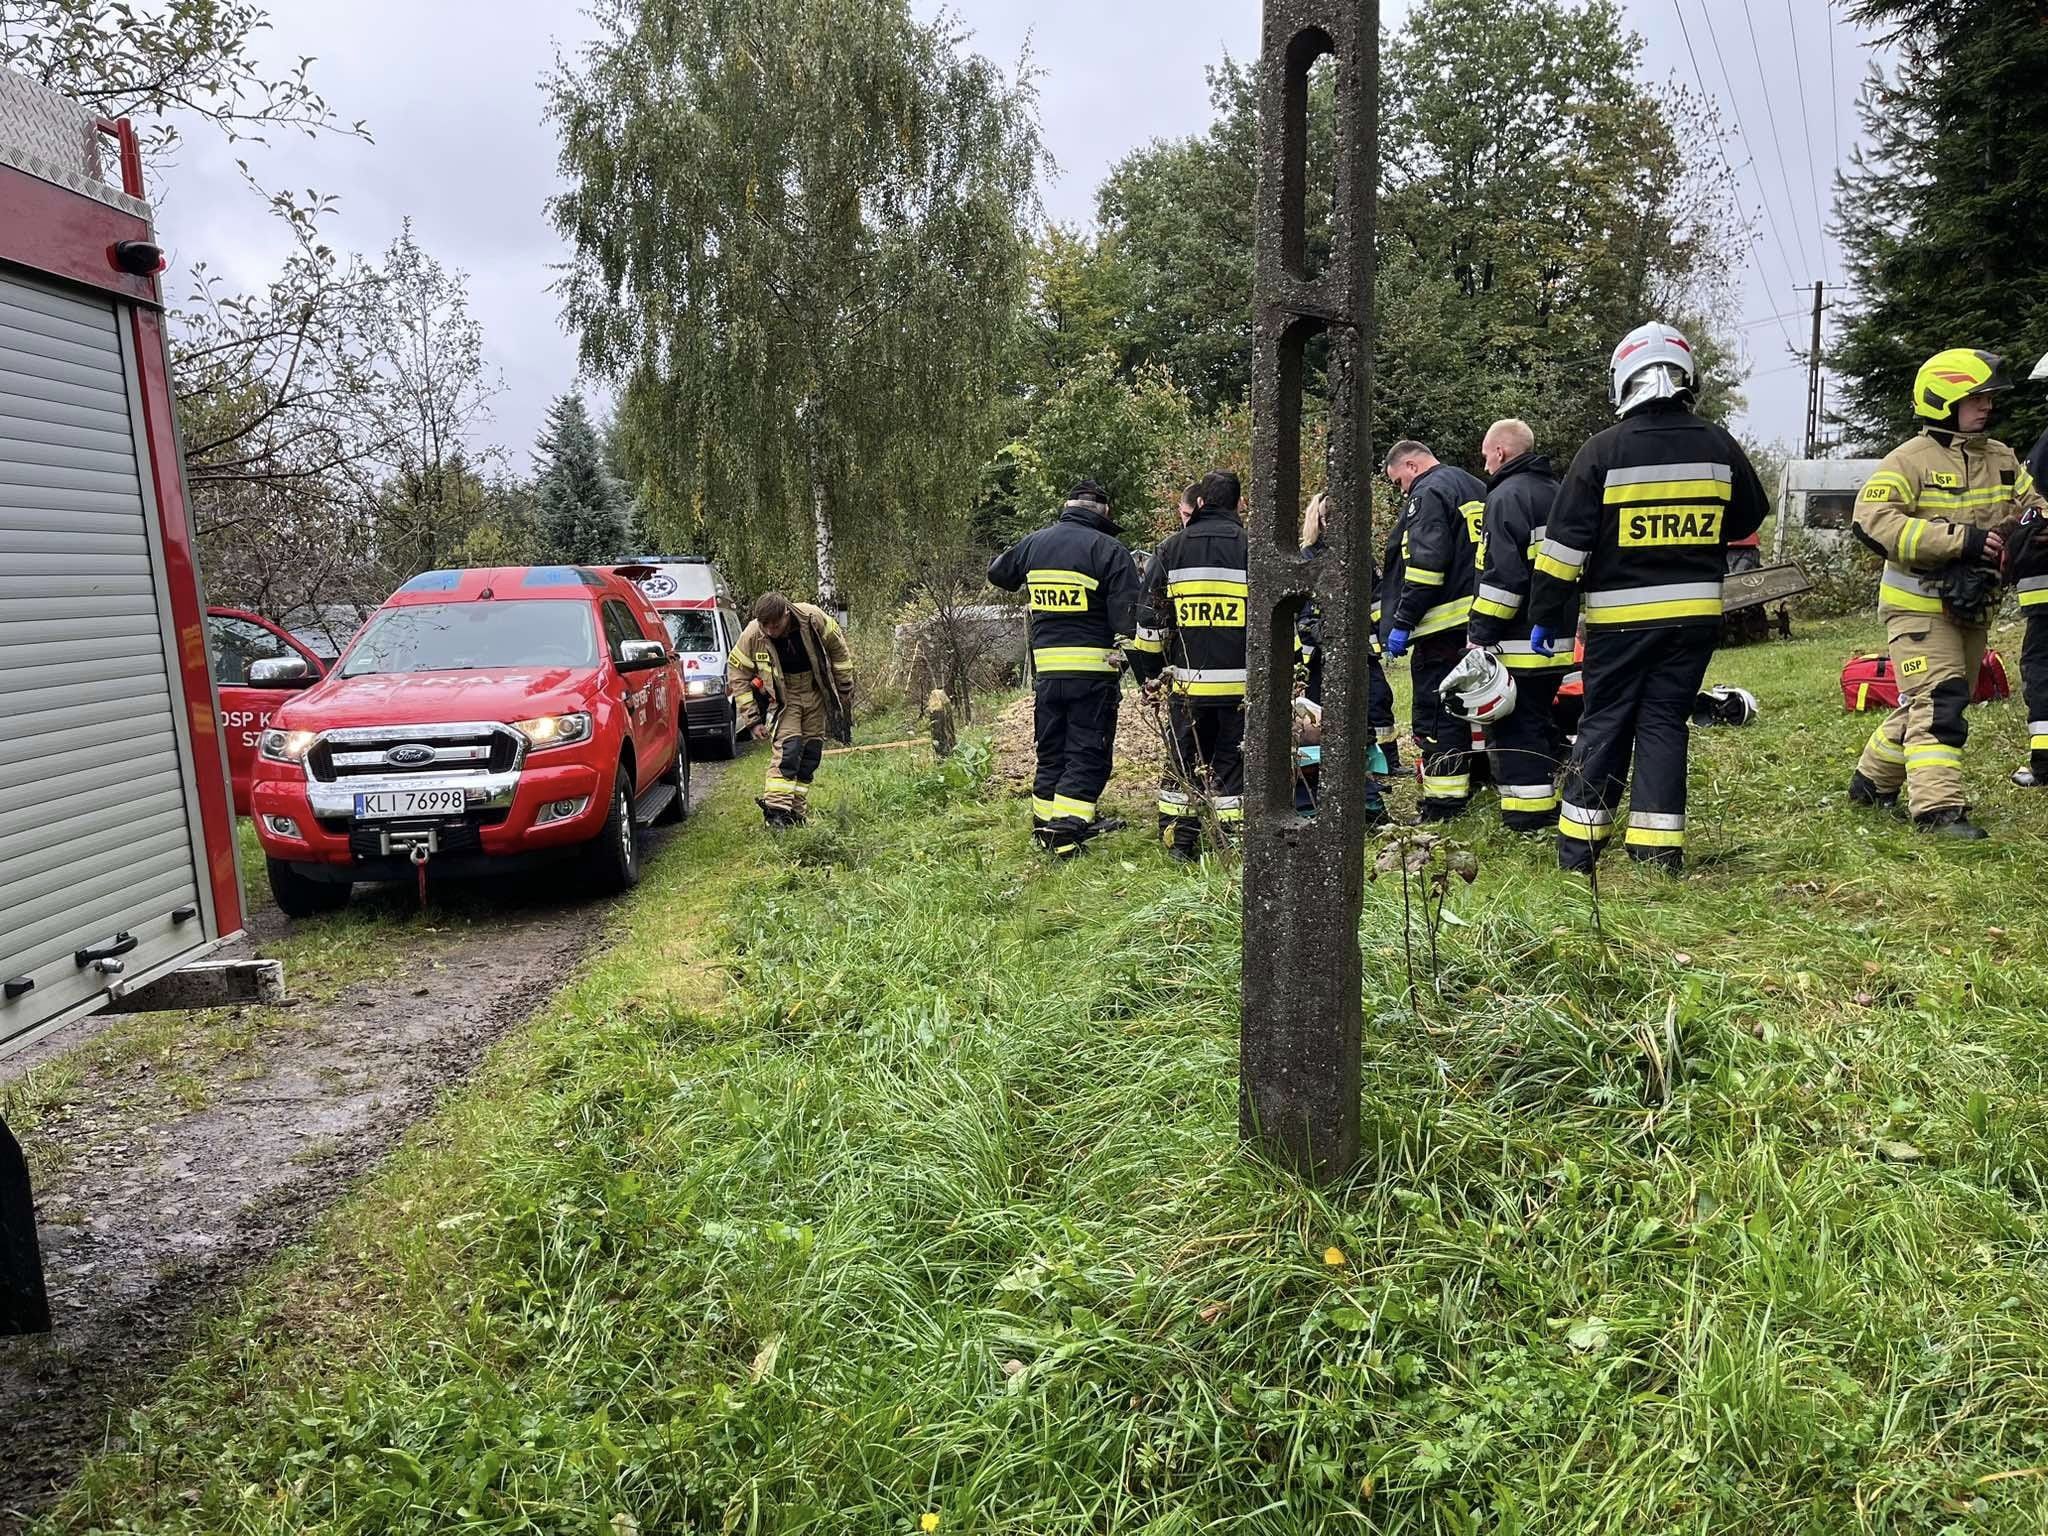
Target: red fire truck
x: 117, y: 835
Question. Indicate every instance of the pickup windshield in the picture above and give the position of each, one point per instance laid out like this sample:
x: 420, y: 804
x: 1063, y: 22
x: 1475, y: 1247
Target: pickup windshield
x: 690, y: 629
x: 466, y: 637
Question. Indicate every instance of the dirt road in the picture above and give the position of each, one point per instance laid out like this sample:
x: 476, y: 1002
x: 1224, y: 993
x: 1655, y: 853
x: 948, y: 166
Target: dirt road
x: 155, y: 1209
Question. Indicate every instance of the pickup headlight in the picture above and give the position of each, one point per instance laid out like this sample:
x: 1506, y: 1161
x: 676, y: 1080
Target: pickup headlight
x: 702, y: 687
x: 286, y: 746
x: 544, y: 731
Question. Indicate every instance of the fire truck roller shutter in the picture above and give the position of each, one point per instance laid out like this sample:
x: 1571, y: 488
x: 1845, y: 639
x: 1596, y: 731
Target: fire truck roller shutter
x: 97, y: 809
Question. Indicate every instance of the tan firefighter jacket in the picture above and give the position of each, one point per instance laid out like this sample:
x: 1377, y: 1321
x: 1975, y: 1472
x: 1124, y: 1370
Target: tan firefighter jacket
x: 753, y: 660
x: 1923, y: 505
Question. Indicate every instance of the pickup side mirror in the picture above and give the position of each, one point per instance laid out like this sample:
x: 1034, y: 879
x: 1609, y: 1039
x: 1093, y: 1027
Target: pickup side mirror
x: 281, y: 672
x: 641, y: 655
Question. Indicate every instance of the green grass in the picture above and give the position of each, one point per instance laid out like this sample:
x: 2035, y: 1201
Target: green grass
x: 886, y: 1171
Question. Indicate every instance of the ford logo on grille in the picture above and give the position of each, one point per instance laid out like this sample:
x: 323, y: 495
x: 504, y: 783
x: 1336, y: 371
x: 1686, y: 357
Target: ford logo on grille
x: 411, y: 755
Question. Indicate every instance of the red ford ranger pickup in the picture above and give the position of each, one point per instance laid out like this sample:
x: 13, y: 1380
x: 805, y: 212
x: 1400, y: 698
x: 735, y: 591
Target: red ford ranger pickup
x: 482, y: 721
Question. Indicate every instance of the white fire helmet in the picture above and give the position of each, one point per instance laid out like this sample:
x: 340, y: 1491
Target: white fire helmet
x: 1479, y: 689
x: 2040, y: 370
x: 1653, y: 362
x: 1725, y: 705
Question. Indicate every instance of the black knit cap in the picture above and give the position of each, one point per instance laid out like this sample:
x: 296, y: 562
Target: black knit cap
x: 1089, y: 490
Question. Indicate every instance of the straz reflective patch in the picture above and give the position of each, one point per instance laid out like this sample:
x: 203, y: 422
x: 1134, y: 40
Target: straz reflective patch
x: 1058, y: 597
x: 1913, y: 666
x: 1210, y: 612
x: 1645, y: 526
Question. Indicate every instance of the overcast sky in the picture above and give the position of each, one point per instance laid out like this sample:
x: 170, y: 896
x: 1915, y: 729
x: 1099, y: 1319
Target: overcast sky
x: 450, y: 89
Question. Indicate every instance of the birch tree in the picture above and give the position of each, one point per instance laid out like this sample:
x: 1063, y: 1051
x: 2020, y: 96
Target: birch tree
x: 798, y: 236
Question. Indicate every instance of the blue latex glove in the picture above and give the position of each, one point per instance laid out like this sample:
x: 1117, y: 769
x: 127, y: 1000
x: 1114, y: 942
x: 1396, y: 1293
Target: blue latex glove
x: 1540, y: 641
x: 1397, y: 643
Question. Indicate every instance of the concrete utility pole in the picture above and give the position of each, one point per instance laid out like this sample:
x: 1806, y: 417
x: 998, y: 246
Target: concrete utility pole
x: 1304, y: 880
x: 1813, y: 380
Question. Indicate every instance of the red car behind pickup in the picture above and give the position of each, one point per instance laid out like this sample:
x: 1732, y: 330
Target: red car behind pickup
x: 481, y: 721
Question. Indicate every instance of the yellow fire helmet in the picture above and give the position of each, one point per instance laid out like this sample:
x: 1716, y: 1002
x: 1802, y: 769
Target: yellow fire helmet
x: 1955, y: 375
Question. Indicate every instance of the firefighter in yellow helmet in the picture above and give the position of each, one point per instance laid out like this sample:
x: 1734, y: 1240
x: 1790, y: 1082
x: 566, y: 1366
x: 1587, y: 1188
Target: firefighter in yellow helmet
x: 1934, y: 509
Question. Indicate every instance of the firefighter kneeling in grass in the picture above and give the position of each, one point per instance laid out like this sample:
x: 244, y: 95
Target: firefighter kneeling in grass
x: 1639, y: 536
x: 794, y: 660
x: 1934, y: 510
x: 1191, y: 634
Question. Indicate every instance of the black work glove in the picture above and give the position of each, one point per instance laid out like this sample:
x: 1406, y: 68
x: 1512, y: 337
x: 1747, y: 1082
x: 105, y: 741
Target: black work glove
x: 1984, y: 546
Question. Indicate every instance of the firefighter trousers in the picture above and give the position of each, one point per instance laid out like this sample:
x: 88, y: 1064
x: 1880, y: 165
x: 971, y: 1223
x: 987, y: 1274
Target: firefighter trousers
x: 1640, y: 688
x: 1379, y: 712
x: 1076, y: 730
x: 799, y: 735
x: 1204, y: 772
x: 1443, y: 740
x: 1919, y: 745
x: 2034, y: 683
x: 1527, y: 750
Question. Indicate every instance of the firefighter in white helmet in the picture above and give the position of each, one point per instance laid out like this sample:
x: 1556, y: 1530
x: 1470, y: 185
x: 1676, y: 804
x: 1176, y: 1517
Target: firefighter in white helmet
x: 1637, y: 540
x: 1934, y: 509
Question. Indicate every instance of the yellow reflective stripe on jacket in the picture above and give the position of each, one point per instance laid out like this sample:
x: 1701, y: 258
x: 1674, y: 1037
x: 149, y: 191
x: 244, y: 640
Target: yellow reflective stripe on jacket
x: 1941, y: 498
x: 1059, y: 578
x: 1903, y: 592
x: 1887, y: 485
x: 2033, y: 591
x: 1635, y: 605
x: 1422, y: 576
x: 1910, y: 535
x: 1213, y: 683
x: 1668, y: 482
x: 1074, y: 658
x: 1443, y: 616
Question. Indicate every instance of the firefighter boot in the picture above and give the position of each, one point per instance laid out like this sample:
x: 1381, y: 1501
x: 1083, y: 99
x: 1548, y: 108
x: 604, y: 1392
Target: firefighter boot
x: 773, y: 815
x: 1951, y: 821
x: 1863, y: 792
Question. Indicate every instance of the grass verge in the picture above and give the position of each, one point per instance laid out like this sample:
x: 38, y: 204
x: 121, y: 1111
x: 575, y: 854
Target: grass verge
x: 883, y: 1173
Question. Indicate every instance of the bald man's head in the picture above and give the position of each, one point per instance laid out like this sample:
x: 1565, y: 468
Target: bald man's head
x: 1506, y: 440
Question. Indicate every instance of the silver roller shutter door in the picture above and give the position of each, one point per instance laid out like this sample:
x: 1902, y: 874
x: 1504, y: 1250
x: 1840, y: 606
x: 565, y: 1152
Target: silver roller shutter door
x: 97, y: 815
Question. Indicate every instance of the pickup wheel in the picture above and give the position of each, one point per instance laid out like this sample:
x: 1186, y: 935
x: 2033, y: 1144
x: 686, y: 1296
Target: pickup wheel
x: 297, y: 896
x: 611, y: 860
x: 678, y: 777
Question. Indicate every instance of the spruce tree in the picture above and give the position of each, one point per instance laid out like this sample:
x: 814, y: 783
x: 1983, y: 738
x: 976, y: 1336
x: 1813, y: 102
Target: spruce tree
x: 1937, y: 215
x: 584, y: 515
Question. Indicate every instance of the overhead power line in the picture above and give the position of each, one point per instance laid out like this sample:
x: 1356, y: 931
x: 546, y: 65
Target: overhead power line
x: 1820, y: 223
x: 1700, y: 75
x: 1771, y: 113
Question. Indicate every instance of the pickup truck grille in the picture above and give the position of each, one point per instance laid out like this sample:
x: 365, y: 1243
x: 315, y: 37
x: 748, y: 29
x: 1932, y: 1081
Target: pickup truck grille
x: 443, y: 751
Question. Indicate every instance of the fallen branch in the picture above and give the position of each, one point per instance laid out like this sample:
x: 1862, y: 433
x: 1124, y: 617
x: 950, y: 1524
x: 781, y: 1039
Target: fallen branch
x: 880, y: 746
